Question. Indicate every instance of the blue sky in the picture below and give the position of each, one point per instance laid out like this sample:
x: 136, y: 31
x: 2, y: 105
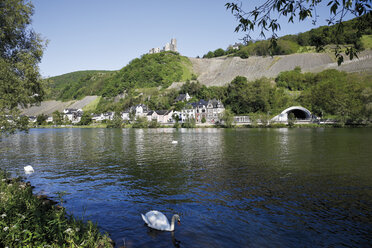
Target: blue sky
x: 108, y: 34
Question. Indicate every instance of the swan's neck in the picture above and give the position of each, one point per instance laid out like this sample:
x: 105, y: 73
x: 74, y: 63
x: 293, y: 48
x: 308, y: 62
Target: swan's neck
x: 172, y: 223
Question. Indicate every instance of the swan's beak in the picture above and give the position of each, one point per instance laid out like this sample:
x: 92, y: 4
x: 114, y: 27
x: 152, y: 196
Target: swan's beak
x: 179, y: 223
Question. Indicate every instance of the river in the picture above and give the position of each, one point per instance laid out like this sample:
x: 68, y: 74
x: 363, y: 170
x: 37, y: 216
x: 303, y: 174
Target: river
x: 231, y: 187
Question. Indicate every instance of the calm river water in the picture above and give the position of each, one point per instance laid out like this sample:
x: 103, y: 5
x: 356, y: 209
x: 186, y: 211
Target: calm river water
x: 231, y: 188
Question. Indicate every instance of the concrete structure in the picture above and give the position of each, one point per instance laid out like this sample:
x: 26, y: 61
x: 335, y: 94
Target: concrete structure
x: 300, y: 114
x: 242, y: 120
x: 172, y: 46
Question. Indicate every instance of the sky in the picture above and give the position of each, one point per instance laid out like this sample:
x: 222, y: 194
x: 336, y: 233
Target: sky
x: 108, y: 34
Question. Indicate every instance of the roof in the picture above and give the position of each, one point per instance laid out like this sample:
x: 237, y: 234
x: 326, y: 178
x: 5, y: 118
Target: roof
x: 199, y: 104
x: 180, y: 97
x: 215, y: 103
x: 163, y: 112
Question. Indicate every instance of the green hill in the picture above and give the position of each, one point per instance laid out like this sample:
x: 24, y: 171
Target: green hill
x: 151, y: 70
x: 76, y: 85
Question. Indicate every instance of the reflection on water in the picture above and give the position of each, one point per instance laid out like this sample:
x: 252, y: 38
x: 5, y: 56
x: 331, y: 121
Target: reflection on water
x: 231, y: 188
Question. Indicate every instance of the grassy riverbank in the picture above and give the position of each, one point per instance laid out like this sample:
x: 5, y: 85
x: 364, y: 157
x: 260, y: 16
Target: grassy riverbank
x: 28, y: 221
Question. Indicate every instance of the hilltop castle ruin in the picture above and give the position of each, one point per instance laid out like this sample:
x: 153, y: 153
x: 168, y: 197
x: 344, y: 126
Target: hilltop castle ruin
x: 172, y: 46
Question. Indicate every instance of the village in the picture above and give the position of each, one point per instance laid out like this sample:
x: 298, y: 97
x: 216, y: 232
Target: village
x: 207, y: 112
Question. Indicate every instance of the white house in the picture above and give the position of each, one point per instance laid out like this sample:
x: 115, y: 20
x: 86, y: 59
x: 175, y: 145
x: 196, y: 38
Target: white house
x: 139, y: 110
x: 49, y: 119
x: 152, y: 115
x: 73, y: 115
x: 186, y: 113
x: 164, y: 116
x: 32, y: 119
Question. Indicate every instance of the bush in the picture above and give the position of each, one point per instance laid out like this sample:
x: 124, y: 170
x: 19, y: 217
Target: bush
x: 27, y: 221
x: 141, y: 122
x: 190, y: 123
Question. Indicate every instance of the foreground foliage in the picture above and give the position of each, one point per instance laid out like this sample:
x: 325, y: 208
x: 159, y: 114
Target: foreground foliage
x: 21, y: 50
x: 26, y: 221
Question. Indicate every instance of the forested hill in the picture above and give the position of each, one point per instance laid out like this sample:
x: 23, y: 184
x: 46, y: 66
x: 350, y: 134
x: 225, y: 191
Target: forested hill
x: 151, y: 70
x: 74, y: 85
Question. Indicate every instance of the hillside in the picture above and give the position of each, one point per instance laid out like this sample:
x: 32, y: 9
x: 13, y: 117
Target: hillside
x: 75, y: 85
x: 221, y: 71
x: 151, y: 70
x: 48, y: 107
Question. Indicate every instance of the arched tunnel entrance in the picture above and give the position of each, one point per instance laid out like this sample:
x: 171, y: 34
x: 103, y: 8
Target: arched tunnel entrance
x: 299, y: 114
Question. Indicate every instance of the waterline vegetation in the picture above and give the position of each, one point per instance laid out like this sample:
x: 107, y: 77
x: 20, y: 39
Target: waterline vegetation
x: 29, y: 221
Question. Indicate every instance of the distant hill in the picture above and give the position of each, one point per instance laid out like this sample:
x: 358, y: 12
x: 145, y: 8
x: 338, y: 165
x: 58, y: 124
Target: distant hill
x: 151, y: 70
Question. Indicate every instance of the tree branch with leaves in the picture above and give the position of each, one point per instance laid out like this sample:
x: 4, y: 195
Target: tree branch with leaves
x: 265, y: 18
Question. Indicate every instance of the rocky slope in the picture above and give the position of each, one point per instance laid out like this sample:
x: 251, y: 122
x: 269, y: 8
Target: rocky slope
x: 221, y: 71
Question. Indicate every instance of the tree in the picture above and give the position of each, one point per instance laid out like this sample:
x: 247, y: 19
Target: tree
x: 228, y: 118
x: 57, y: 117
x: 189, y: 123
x: 86, y: 119
x: 21, y: 50
x: 219, y: 52
x: 41, y: 119
x: 265, y: 17
x: 141, y: 122
x: 291, y: 119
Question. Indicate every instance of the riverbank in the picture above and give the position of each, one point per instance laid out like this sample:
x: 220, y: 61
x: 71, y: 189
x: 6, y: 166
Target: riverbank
x: 240, y: 125
x: 27, y: 220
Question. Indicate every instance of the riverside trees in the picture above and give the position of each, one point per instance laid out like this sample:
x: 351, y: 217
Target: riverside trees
x: 21, y: 50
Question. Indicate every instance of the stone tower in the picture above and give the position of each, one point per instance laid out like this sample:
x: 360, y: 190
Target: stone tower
x: 173, y: 45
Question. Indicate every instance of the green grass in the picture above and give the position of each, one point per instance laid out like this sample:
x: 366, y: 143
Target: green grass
x: 26, y: 221
x: 367, y: 41
x: 91, y: 107
x: 186, y: 68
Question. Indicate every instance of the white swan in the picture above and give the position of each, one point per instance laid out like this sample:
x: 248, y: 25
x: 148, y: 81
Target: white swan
x: 174, y: 142
x: 159, y: 221
x: 28, y: 169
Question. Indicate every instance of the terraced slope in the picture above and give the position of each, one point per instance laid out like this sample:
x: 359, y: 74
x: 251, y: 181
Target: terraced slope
x: 48, y: 107
x: 221, y: 71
